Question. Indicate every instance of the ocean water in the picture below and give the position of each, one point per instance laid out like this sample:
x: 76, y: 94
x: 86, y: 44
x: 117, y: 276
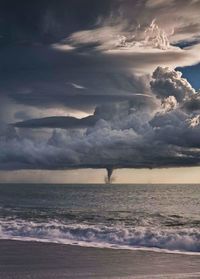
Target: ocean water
x: 148, y: 217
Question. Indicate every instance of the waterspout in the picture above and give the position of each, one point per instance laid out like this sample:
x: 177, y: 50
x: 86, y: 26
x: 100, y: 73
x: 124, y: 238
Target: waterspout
x: 108, y: 179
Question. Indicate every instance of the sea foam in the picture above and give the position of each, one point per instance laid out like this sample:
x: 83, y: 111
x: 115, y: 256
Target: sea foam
x: 119, y: 237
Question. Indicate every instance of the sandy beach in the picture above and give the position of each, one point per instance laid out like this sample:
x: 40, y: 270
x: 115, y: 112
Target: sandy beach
x: 20, y: 260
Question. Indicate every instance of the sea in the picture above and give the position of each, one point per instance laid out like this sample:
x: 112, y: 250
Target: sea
x: 161, y: 218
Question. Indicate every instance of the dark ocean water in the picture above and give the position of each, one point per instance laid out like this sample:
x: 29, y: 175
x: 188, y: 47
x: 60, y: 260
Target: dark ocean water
x: 157, y: 217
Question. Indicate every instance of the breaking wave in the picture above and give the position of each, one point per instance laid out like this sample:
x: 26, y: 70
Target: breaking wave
x: 118, y: 237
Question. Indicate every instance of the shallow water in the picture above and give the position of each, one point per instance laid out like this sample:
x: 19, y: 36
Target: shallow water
x: 157, y: 217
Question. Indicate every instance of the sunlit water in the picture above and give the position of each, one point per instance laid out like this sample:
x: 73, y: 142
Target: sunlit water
x: 158, y: 217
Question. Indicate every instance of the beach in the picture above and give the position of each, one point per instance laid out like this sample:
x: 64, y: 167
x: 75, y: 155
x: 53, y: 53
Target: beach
x: 35, y: 260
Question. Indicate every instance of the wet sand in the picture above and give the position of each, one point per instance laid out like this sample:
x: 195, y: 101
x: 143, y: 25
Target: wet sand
x: 34, y: 260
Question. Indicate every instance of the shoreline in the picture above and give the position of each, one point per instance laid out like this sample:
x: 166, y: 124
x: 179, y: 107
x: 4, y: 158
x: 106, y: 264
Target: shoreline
x: 29, y: 259
x: 83, y: 244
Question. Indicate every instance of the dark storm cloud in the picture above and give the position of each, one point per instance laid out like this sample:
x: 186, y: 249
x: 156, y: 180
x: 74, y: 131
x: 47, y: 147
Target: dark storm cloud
x: 44, y: 77
x: 99, y: 56
x: 63, y: 122
x: 46, y: 21
x: 167, y: 83
x: 105, y: 111
x: 193, y: 104
x: 121, y: 136
x: 40, y: 75
x: 175, y: 128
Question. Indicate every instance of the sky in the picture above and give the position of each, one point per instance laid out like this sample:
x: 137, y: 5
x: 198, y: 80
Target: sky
x: 91, y: 87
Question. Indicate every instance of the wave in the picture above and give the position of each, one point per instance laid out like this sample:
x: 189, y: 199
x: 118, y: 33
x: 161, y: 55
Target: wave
x: 118, y: 237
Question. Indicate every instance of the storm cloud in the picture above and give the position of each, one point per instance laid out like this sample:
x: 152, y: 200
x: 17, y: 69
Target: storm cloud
x: 116, y: 136
x: 99, y: 79
x: 62, y: 122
